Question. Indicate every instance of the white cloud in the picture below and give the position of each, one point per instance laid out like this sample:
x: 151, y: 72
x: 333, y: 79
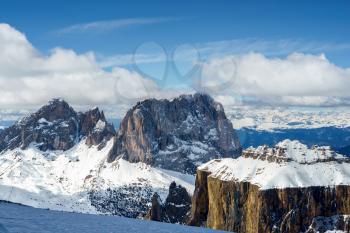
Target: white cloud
x: 108, y: 25
x: 28, y: 78
x: 299, y: 79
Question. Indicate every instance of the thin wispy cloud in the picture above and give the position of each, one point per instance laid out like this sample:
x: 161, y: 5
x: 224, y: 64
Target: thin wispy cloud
x: 109, y: 25
x: 278, y: 47
x: 217, y: 49
x: 129, y: 59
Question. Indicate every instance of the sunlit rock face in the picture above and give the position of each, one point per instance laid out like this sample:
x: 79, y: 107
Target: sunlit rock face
x: 178, y: 134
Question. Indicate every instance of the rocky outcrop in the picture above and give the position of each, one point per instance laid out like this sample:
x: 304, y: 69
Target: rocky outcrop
x: 56, y: 126
x: 177, y: 135
x: 175, y: 209
x: 156, y: 213
x: 94, y: 126
x: 200, y: 201
x: 229, y: 198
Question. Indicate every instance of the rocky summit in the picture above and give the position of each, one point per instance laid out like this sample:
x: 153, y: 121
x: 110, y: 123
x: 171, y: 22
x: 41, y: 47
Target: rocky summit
x: 177, y: 134
x: 56, y: 126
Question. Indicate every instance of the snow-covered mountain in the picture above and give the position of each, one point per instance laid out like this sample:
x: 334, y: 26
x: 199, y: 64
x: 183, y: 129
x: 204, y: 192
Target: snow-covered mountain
x: 60, y: 159
x: 276, y: 118
x: 289, y: 164
x: 56, y: 126
x: 56, y: 158
x: 287, y: 188
x: 81, y: 180
x: 263, y: 125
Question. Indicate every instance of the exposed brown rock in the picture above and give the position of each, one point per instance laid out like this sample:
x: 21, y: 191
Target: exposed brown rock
x: 243, y: 207
x: 156, y: 212
x: 200, y: 201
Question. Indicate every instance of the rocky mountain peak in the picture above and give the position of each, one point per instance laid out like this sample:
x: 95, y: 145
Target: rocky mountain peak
x: 177, y: 134
x: 56, y: 109
x: 57, y: 126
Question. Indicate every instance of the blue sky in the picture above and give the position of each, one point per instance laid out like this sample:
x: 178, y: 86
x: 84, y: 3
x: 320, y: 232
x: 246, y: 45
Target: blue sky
x: 241, y: 52
x: 180, y: 22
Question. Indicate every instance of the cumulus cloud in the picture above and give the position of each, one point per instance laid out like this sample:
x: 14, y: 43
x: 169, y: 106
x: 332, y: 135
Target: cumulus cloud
x: 298, y: 79
x: 29, y: 78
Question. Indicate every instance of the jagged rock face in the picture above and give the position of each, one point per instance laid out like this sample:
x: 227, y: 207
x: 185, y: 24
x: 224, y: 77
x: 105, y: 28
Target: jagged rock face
x: 176, y: 208
x: 177, y: 205
x: 95, y: 127
x: 177, y: 135
x: 56, y: 126
x: 281, y: 189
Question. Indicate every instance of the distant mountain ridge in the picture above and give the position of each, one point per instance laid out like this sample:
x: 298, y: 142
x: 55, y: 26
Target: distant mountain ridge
x: 326, y: 136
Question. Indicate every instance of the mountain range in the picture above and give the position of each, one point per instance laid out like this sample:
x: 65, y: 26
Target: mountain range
x: 61, y: 159
x: 176, y: 161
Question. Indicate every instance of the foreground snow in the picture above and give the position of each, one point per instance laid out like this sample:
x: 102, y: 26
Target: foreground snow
x: 23, y: 219
x: 289, y: 164
x: 75, y: 179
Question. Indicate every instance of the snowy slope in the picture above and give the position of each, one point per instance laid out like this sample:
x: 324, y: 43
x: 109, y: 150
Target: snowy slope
x: 289, y: 164
x: 81, y: 180
x: 22, y: 219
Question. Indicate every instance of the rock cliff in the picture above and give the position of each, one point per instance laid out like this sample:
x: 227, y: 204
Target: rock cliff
x: 288, y: 188
x: 178, y: 135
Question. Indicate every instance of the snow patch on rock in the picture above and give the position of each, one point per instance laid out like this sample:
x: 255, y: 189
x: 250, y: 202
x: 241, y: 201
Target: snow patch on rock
x: 290, y: 164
